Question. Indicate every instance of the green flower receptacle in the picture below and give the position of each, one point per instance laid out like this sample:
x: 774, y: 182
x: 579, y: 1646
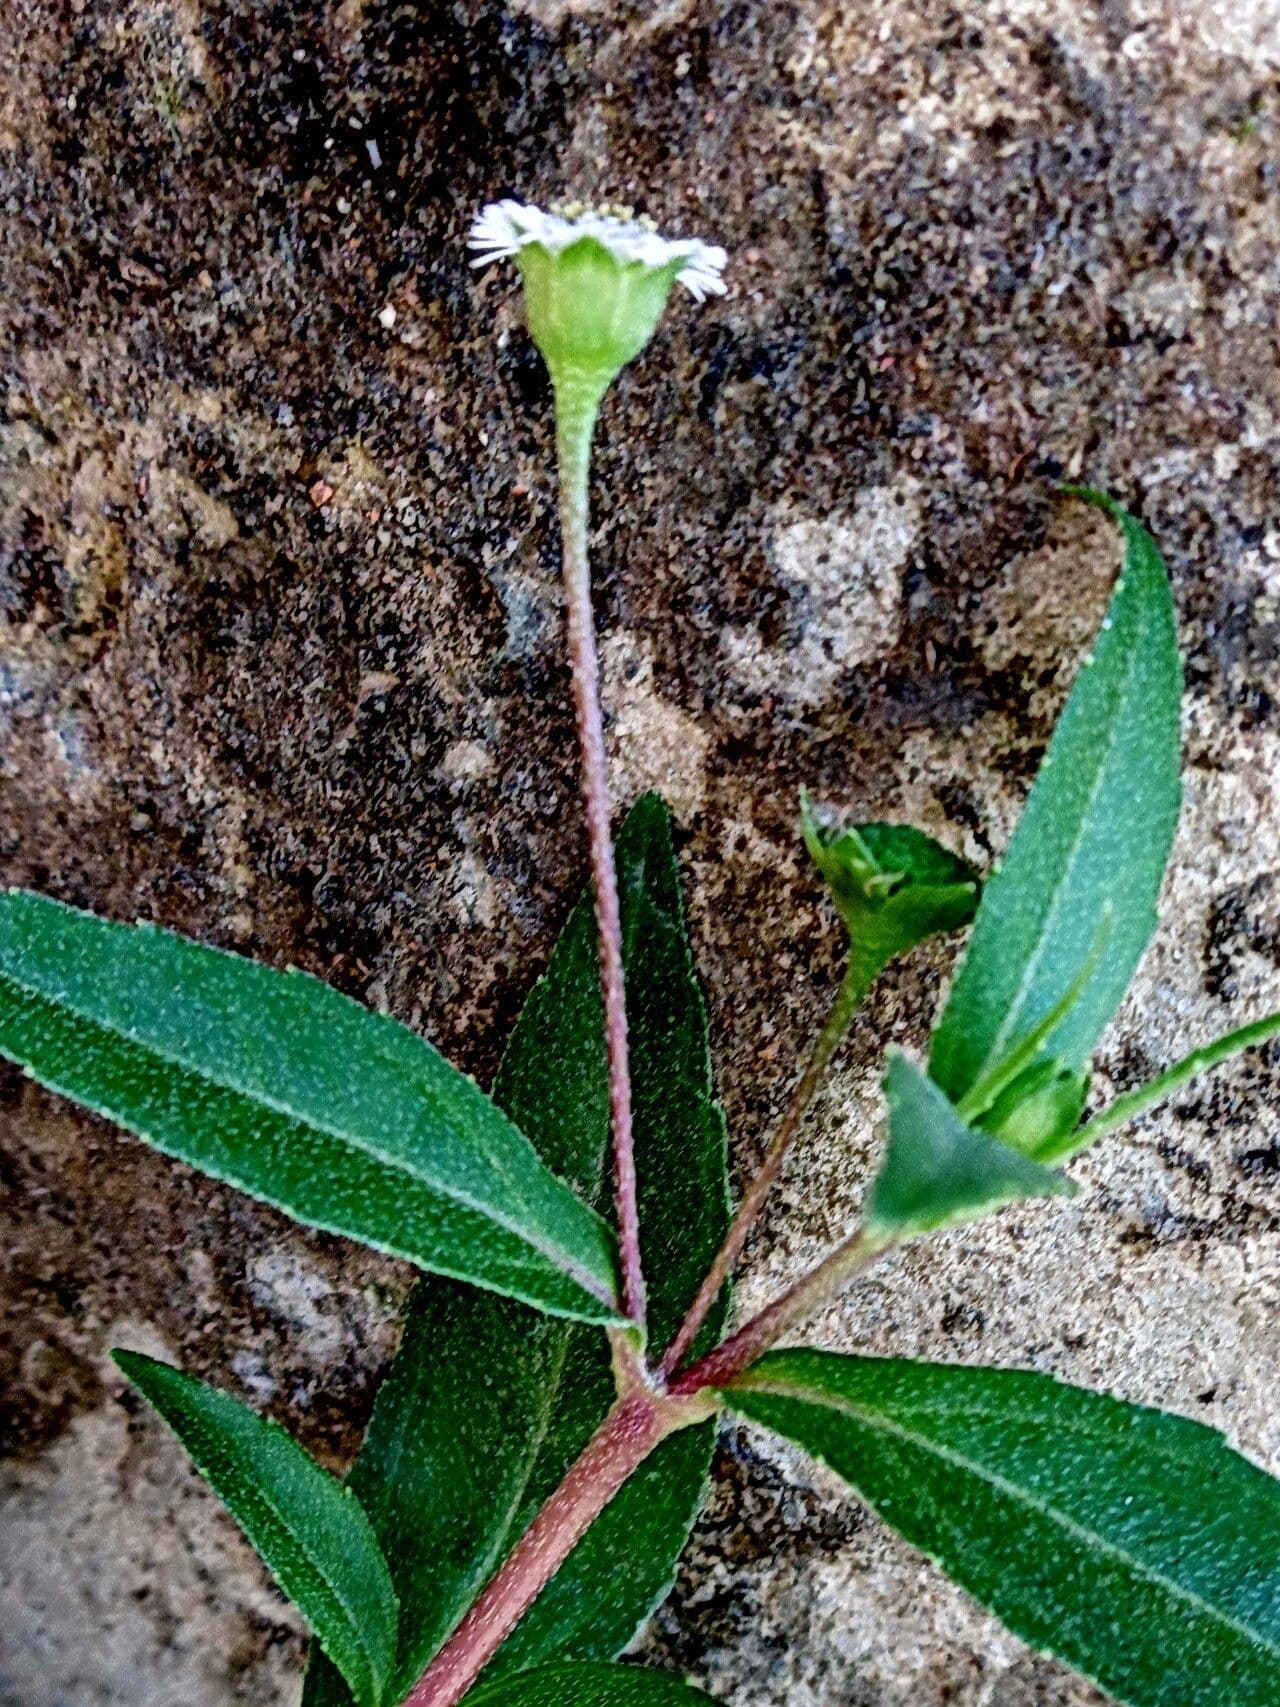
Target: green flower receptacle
x: 589, y: 313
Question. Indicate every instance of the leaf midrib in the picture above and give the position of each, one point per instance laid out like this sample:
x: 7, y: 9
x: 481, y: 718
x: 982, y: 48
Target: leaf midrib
x: 1014, y: 1008
x: 877, y: 1420
x: 354, y: 1622
x: 569, y: 1266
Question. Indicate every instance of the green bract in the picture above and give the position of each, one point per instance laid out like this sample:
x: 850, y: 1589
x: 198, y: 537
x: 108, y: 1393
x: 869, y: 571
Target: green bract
x: 937, y: 1170
x: 588, y: 312
x: 1069, y: 1142
x: 893, y: 887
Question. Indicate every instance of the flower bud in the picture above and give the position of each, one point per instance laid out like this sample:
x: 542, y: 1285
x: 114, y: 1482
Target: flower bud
x: 1042, y: 1105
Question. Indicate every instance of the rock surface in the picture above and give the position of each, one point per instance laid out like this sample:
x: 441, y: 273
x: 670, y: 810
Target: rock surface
x: 279, y: 666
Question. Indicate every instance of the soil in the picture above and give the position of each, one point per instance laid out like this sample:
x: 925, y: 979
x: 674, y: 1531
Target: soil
x: 280, y: 666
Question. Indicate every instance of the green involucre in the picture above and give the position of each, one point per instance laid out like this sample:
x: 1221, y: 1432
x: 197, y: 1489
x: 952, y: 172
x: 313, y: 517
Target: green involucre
x: 1038, y: 1109
x: 893, y: 887
x: 590, y: 313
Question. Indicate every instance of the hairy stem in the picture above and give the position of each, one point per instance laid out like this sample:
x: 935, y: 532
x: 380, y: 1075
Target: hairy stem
x: 576, y: 407
x: 856, y: 982
x: 640, y: 1420
x: 635, y: 1425
x: 820, y: 1287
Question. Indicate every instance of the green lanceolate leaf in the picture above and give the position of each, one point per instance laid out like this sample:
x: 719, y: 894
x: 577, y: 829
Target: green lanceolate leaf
x: 1067, y: 1141
x: 276, y: 1083
x: 893, y: 887
x: 937, y: 1170
x: 308, y: 1528
x: 1094, y: 838
x: 1134, y: 1545
x: 588, y: 1686
x: 487, y: 1404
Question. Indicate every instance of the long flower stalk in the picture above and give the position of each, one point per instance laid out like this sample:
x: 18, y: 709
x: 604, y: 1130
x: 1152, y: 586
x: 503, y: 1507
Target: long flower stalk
x: 596, y: 281
x: 577, y: 404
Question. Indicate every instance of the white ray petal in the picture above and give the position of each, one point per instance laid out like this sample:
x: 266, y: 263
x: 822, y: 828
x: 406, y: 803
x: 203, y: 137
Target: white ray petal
x: 503, y: 228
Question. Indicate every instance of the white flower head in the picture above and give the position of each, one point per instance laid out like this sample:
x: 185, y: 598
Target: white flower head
x: 501, y: 230
x: 596, y: 279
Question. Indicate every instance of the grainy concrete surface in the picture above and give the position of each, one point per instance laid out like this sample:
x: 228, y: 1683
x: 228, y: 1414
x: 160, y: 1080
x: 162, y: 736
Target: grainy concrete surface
x: 279, y: 665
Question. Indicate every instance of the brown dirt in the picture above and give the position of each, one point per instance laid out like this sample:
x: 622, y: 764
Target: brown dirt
x: 279, y: 666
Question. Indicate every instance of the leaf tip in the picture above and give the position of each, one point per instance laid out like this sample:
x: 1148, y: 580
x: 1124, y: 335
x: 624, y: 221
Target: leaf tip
x: 131, y: 1364
x: 652, y: 809
x: 1098, y: 499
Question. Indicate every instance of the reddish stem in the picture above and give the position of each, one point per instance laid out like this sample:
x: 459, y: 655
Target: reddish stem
x: 619, y: 1446
x: 821, y: 1286
x: 576, y: 408
x: 828, y: 1041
